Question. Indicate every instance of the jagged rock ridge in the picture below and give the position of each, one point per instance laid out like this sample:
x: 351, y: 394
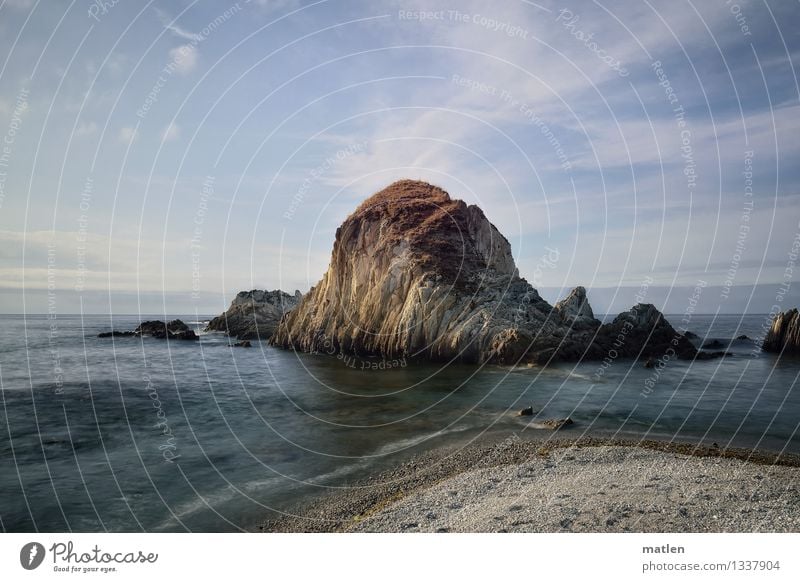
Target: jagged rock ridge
x: 415, y: 273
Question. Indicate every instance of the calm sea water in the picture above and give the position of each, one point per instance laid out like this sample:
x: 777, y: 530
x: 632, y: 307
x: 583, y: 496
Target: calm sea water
x: 82, y: 429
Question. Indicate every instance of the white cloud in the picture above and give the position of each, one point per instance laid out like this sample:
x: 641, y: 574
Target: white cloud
x: 127, y: 134
x: 85, y: 128
x: 184, y: 58
x: 171, y: 132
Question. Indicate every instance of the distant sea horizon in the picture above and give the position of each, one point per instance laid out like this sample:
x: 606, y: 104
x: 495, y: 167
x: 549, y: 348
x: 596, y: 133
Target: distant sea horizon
x: 748, y: 299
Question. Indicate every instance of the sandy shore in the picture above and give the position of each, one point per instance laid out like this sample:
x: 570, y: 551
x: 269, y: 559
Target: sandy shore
x: 584, y: 485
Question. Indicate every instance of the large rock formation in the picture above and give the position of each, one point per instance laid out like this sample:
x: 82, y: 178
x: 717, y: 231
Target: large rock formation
x: 254, y: 314
x: 784, y: 334
x: 415, y: 273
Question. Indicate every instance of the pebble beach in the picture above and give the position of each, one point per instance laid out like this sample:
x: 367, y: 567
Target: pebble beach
x: 579, y: 485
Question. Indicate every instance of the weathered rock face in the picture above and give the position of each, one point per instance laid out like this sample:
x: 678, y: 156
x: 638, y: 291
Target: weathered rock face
x: 784, y: 334
x: 254, y: 314
x: 415, y: 273
x: 575, y: 310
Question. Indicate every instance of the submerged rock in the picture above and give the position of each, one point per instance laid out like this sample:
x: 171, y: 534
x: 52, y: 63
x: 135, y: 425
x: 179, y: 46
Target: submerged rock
x: 784, y: 333
x: 417, y: 274
x: 254, y: 314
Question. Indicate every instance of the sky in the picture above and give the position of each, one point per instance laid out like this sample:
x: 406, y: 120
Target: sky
x: 162, y: 156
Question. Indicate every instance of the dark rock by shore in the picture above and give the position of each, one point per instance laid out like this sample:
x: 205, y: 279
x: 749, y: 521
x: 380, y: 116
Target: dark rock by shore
x: 784, y: 333
x: 254, y: 314
x: 174, y: 330
x: 417, y: 274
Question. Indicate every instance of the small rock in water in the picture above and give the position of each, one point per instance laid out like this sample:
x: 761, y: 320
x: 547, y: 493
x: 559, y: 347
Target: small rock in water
x: 243, y: 344
x: 526, y: 411
x: 650, y: 363
x: 556, y: 423
x: 174, y: 329
x: 742, y: 337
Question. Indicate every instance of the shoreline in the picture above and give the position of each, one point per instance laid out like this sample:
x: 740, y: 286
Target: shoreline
x: 609, y: 484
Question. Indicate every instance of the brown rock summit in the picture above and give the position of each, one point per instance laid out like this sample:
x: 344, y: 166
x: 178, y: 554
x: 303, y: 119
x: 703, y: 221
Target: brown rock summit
x: 415, y: 273
x: 437, y: 233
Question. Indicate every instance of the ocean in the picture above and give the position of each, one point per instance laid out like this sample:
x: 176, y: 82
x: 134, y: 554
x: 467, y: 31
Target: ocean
x: 140, y: 434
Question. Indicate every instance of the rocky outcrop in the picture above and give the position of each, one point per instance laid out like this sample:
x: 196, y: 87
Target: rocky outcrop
x: 173, y: 330
x: 643, y: 331
x: 784, y: 333
x: 575, y: 310
x: 640, y: 332
x: 254, y: 314
x: 417, y: 274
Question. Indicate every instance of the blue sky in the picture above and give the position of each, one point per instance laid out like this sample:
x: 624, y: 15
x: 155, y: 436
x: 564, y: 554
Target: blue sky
x: 164, y: 156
